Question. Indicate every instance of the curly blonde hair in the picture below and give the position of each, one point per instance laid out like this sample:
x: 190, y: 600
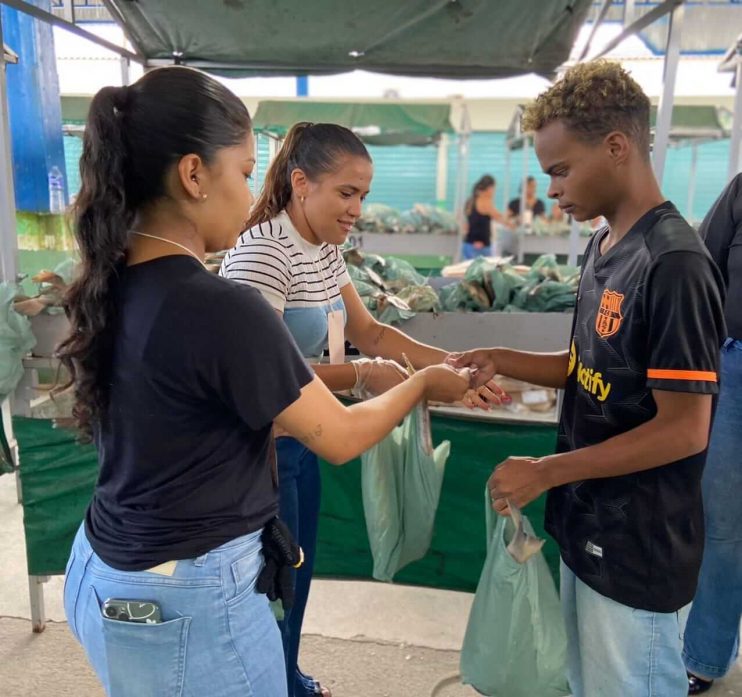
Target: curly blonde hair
x: 593, y: 99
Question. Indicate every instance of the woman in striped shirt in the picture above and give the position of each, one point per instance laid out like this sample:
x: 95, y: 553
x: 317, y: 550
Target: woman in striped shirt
x: 312, y: 197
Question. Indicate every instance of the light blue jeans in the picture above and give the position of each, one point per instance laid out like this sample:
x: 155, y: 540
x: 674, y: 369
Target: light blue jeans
x: 469, y: 251
x: 617, y: 651
x: 218, y: 636
x: 712, y: 632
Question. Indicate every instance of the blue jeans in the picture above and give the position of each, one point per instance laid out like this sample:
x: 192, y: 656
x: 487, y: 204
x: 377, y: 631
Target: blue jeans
x: 617, y: 651
x: 712, y: 632
x: 218, y: 636
x: 469, y: 251
x: 299, y: 495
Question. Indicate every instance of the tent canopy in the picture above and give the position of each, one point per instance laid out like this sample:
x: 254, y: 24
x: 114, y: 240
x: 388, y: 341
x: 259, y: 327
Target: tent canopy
x: 437, y: 38
x: 689, y: 123
x: 696, y: 122
x: 376, y: 124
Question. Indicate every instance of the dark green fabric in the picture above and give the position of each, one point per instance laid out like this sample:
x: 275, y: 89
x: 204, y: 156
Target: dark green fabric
x: 695, y: 122
x: 58, y: 476
x: 457, y: 550
x: 689, y: 122
x: 440, y: 38
x: 376, y: 124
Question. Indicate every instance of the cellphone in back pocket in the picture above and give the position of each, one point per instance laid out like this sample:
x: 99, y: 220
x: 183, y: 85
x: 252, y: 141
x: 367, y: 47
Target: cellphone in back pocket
x: 138, y: 611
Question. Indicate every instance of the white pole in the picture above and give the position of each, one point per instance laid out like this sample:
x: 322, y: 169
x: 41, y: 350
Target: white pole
x: 441, y: 180
x: 462, y: 176
x: 628, y: 13
x: 664, y: 110
x: 521, y: 230
x: 125, y: 71
x: 574, y: 243
x: 8, y: 234
x: 506, y: 183
x: 692, y: 182
x: 735, y: 142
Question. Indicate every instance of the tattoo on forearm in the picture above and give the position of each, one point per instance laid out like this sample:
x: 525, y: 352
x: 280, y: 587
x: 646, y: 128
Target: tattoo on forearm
x: 312, y: 435
x: 379, y: 336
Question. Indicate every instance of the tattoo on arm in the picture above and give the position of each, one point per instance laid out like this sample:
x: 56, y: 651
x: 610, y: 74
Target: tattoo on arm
x: 380, y: 335
x: 311, y: 436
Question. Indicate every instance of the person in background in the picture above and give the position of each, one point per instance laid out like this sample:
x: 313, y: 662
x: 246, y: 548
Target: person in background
x: 711, y: 642
x: 480, y: 212
x: 311, y: 199
x: 533, y: 204
x: 178, y: 376
x: 556, y: 215
x: 624, y: 488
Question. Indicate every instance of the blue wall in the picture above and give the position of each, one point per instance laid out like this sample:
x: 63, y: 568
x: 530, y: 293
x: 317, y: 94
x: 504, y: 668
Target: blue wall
x: 406, y: 175
x: 35, y: 109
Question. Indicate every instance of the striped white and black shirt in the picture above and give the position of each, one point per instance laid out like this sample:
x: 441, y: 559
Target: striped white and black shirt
x: 297, y: 278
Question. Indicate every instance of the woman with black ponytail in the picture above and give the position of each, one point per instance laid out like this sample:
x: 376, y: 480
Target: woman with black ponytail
x: 480, y: 212
x: 178, y: 377
x: 311, y: 199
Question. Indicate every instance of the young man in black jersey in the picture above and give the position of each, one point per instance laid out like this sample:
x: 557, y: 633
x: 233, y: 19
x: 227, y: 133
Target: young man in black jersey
x: 624, y: 501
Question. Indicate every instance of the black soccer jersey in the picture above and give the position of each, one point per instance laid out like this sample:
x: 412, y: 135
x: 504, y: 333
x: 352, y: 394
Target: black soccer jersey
x: 649, y: 316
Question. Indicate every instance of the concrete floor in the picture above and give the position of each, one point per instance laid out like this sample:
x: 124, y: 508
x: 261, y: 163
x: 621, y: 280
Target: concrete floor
x: 363, y: 639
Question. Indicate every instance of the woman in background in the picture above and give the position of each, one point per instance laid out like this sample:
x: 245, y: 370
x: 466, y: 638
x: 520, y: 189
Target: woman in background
x: 480, y: 212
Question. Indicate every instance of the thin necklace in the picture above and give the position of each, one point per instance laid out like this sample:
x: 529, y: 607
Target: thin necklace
x: 177, y: 244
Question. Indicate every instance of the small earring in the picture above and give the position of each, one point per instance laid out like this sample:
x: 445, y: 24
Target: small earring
x: 204, y: 197
x: 302, y: 200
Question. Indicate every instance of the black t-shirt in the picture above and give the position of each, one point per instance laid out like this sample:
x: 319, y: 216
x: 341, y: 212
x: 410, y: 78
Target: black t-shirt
x: 538, y: 208
x: 480, y: 228
x: 200, y: 368
x: 648, y: 317
x: 722, y: 229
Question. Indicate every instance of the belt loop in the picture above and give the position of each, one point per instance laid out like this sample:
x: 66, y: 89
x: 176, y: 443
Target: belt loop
x: 200, y: 561
x: 727, y: 343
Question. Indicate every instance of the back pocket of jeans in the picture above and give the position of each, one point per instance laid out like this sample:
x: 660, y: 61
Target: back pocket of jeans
x: 146, y: 659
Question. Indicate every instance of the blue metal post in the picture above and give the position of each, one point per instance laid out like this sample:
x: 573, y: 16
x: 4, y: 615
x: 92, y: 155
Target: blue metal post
x: 302, y: 85
x: 34, y: 108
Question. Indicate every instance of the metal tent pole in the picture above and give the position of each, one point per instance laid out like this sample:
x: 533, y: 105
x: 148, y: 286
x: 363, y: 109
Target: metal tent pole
x: 735, y: 143
x: 462, y: 176
x: 664, y: 111
x: 692, y: 182
x: 522, y: 217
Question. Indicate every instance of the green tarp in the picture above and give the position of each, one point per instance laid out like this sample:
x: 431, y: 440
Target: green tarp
x: 689, y: 122
x: 58, y: 476
x: 438, y: 38
x: 376, y: 124
x: 696, y: 122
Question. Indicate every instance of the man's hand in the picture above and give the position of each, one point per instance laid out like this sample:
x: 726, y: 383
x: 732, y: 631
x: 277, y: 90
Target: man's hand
x: 485, y: 396
x: 482, y: 360
x: 517, y: 479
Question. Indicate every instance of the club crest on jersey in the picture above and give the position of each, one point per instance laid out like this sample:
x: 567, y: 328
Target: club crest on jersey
x: 609, y: 317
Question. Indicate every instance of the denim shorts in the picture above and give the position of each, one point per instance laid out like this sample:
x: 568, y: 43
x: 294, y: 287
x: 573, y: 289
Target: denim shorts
x: 614, y: 650
x: 218, y: 636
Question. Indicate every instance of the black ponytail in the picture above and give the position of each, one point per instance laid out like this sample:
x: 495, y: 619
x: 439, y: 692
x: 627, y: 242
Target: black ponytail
x: 133, y: 136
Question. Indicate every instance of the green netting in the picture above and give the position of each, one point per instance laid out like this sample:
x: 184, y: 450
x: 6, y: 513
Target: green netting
x: 58, y: 477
